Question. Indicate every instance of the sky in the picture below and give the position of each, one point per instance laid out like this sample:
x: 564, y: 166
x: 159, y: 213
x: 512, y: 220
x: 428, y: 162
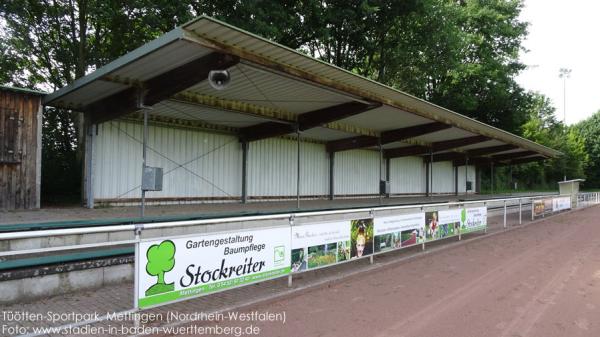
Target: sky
x: 564, y: 34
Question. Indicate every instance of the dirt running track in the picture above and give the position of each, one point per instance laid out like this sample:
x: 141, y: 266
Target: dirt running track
x: 541, y: 280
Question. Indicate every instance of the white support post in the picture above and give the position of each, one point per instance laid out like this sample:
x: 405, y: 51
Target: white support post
x: 532, y: 214
x: 136, y: 276
x: 485, y: 228
x: 520, y: 212
x: 424, y: 234
x: 291, y: 222
x: 459, y: 233
x: 372, y: 216
x: 136, y: 273
x: 504, y: 213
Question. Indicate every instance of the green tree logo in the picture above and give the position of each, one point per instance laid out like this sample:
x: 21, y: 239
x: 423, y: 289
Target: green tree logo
x: 161, y: 259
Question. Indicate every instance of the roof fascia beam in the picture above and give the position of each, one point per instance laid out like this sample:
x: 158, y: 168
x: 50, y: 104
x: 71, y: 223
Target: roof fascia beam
x: 398, y: 152
x: 307, y: 120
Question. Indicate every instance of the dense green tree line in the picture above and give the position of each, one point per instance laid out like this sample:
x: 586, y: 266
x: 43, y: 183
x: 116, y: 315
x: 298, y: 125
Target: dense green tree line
x: 460, y: 54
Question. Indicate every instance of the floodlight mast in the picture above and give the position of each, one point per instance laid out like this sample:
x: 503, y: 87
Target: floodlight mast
x: 564, y: 73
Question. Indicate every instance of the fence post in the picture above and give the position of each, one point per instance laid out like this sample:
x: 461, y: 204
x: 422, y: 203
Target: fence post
x: 485, y: 228
x: 532, y: 214
x: 372, y: 214
x: 459, y: 234
x: 520, y: 212
x: 136, y: 275
x: 136, y: 265
x: 504, y: 213
x: 424, y: 234
x: 290, y: 278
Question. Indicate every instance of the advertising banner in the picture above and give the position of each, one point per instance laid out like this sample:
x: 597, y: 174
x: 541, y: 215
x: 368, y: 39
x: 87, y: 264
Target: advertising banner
x: 173, y: 269
x: 449, y: 222
x: 538, y: 207
x: 473, y: 219
x: 318, y: 245
x: 399, y: 231
x: 561, y: 204
x: 548, y: 205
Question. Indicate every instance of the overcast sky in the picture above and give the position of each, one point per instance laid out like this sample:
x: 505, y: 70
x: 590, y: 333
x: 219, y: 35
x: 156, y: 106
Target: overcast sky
x: 564, y: 34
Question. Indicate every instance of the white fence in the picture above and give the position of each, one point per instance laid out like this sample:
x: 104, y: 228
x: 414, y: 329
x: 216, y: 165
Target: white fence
x: 361, y: 233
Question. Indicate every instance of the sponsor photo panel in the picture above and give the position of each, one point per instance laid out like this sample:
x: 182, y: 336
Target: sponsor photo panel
x: 319, y: 245
x: 449, y: 222
x: 394, y: 232
x: 361, y: 238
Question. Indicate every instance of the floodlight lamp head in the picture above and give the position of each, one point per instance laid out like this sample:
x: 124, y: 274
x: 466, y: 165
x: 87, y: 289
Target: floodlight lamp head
x: 219, y: 79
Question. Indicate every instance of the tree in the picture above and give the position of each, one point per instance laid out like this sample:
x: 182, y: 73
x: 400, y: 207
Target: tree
x: 543, y: 127
x: 161, y: 259
x: 47, y: 45
x: 589, y: 130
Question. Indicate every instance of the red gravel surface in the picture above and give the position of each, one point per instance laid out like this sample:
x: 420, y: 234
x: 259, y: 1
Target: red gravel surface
x: 541, y: 280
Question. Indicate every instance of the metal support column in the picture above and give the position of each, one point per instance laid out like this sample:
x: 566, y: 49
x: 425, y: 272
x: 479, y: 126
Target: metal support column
x: 431, y: 171
x: 512, y: 184
x: 380, y: 171
x: 466, y: 174
x: 145, y: 145
x: 426, y: 179
x: 455, y: 180
x: 331, y: 175
x: 89, y: 163
x: 244, y: 172
x: 298, y: 170
x: 387, y: 175
x: 492, y: 177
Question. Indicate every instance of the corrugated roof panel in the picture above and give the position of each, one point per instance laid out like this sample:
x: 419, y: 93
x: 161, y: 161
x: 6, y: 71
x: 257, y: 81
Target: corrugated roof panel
x: 481, y: 145
x: 271, y: 90
x: 90, y: 93
x: 169, y: 57
x: 254, y: 48
x: 195, y: 112
x: 385, y: 118
x: 448, y: 134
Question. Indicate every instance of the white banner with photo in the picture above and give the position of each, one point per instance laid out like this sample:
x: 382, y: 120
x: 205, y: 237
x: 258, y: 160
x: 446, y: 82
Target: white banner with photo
x: 561, y: 204
x: 398, y: 231
x: 320, y: 244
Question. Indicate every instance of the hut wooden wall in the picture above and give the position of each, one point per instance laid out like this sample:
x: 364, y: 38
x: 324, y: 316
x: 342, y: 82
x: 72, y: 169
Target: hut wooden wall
x: 20, y: 150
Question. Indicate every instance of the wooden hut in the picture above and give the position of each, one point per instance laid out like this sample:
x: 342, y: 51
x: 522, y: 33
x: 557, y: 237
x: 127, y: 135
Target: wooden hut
x: 20, y: 148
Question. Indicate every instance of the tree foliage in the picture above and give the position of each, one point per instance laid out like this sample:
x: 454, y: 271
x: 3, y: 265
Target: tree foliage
x: 462, y: 55
x: 542, y: 127
x: 590, y: 131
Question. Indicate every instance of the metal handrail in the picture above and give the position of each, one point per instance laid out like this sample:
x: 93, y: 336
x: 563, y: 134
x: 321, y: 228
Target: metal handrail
x: 159, y: 225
